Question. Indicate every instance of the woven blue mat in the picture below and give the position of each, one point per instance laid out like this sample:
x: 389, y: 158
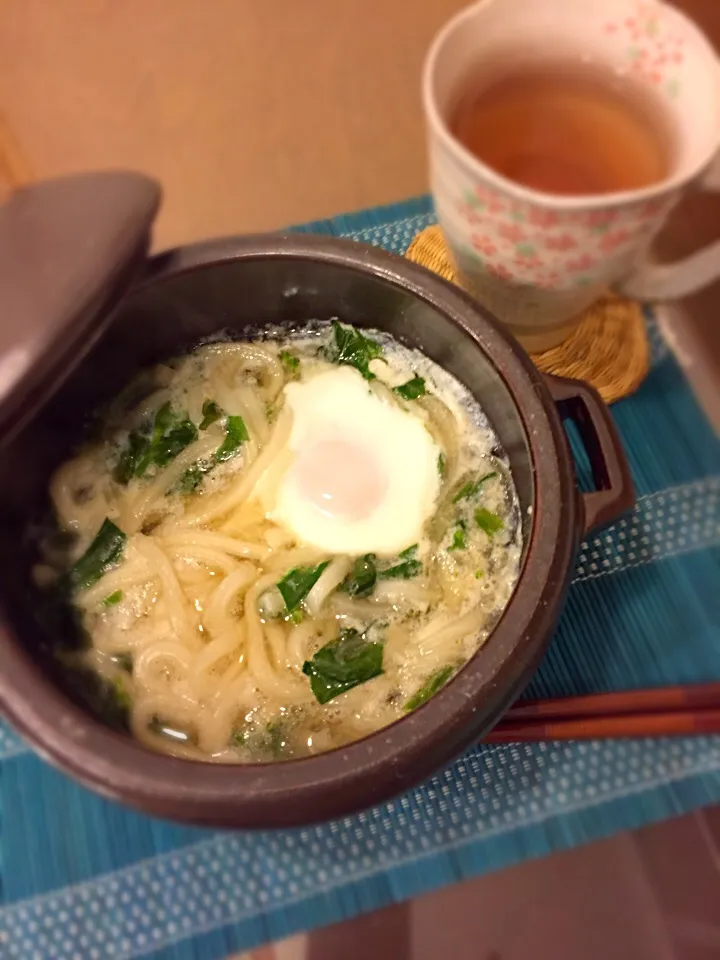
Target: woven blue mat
x: 85, y: 879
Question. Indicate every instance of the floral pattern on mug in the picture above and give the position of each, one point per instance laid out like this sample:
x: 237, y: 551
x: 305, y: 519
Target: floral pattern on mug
x: 654, y: 50
x: 552, y: 249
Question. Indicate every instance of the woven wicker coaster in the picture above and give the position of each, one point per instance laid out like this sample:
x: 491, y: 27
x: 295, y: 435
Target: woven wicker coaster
x: 609, y: 348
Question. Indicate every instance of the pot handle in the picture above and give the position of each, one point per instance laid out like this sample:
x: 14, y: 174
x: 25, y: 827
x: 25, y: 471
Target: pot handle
x: 615, y: 494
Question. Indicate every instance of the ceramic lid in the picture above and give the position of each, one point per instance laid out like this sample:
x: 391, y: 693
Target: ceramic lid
x: 69, y: 248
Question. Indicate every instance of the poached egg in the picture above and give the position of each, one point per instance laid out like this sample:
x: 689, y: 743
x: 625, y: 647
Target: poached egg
x: 363, y: 477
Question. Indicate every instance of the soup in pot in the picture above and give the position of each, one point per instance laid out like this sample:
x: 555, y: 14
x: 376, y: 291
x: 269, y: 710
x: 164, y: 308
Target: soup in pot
x: 277, y: 547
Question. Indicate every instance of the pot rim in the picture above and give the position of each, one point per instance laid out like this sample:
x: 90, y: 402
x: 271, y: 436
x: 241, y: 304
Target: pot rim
x: 406, y: 752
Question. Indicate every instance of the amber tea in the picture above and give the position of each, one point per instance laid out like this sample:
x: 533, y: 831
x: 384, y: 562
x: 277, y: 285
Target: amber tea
x: 564, y: 128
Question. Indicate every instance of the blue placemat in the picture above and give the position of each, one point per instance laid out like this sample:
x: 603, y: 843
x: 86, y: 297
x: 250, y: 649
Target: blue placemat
x: 85, y: 879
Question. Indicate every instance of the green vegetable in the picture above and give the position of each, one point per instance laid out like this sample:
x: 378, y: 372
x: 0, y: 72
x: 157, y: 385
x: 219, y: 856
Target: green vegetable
x: 211, y: 412
x: 459, y: 540
x: 298, y: 583
x: 412, y: 389
x: 401, y: 571
x: 478, y: 574
x: 290, y: 362
x: 343, y: 664
x: 361, y: 581
x: 170, y: 434
x: 103, y: 552
x: 409, y: 552
x: 429, y: 688
x: 124, y: 661
x: 112, y: 598
x: 235, y: 435
x: 470, y: 488
x: 441, y: 464
x: 488, y: 521
x: 122, y: 695
x: 296, y: 616
x: 353, y: 349
x: 125, y: 467
x: 363, y: 577
x: 408, y: 568
x: 272, y: 740
x: 276, y: 739
x: 192, y: 478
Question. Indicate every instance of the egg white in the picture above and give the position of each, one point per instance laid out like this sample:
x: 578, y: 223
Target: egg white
x: 339, y: 405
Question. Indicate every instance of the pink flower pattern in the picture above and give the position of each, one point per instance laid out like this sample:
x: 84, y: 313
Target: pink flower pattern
x: 653, y: 49
x: 515, y: 240
x: 512, y: 232
x: 561, y: 243
x: 618, y: 238
x: 483, y: 244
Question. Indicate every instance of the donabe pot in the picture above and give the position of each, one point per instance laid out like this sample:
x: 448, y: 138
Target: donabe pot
x: 242, y: 285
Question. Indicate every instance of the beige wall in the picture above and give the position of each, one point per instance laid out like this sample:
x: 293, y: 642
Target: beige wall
x: 253, y: 113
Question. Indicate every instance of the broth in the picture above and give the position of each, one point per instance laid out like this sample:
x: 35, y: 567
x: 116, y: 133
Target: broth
x: 563, y: 127
x: 282, y: 546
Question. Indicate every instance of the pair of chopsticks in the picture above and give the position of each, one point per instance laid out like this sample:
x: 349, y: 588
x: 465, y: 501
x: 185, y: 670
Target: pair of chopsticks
x: 662, y: 712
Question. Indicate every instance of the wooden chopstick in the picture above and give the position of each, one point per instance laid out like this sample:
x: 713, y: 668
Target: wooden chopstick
x: 669, y: 724
x: 663, y: 711
x: 704, y: 696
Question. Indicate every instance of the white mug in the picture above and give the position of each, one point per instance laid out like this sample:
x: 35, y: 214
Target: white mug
x: 538, y: 260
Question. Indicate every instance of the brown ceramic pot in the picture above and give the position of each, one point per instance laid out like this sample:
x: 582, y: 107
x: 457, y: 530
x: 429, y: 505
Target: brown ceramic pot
x: 115, y: 325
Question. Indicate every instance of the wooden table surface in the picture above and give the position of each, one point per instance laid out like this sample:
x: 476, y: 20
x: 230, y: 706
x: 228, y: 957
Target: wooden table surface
x: 255, y: 115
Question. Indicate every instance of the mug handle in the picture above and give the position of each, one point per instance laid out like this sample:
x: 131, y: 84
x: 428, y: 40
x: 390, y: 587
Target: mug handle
x: 673, y: 281
x: 615, y: 494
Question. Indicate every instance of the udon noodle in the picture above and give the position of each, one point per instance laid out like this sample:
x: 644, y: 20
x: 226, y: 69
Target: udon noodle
x: 222, y: 633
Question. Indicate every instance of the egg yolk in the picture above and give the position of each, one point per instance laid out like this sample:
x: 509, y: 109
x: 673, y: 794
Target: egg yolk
x: 341, y: 479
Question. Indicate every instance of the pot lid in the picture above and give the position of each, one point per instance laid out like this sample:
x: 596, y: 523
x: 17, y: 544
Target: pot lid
x: 69, y: 249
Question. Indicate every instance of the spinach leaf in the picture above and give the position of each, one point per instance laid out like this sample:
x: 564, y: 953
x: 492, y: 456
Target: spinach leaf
x: 470, y: 488
x: 170, y: 434
x: 411, y: 390
x: 441, y: 464
x: 276, y: 739
x: 298, y: 583
x: 408, y: 568
x: 235, y: 435
x: 343, y: 664
x: 401, y: 571
x: 239, y: 738
x: 290, y: 362
x: 192, y: 477
x: 429, y: 688
x: 273, y: 739
x: 125, y: 468
x: 121, y: 694
x: 211, y: 413
x: 361, y: 580
x: 103, y: 552
x: 488, y: 521
x: 106, y: 699
x: 459, y: 540
x: 353, y: 349
x: 112, y: 598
